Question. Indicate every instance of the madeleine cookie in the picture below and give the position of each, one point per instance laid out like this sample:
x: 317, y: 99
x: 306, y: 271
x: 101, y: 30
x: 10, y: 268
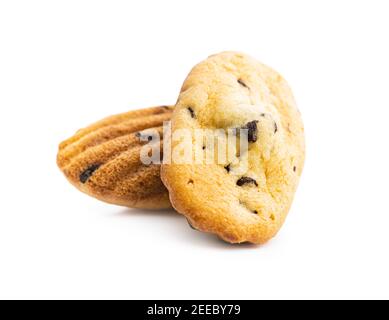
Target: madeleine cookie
x: 245, y: 199
x: 103, y: 159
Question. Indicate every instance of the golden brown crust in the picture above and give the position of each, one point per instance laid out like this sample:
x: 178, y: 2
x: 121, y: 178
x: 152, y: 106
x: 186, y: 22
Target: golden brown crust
x: 231, y: 90
x: 103, y: 160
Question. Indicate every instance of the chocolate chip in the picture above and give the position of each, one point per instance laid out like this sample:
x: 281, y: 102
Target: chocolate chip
x: 262, y: 114
x: 275, y: 127
x: 246, y: 180
x: 143, y: 136
x: 85, y: 175
x: 192, y: 113
x: 227, y: 167
x: 252, y: 130
x: 255, y: 211
x: 240, y: 81
x: 294, y: 168
x: 203, y: 147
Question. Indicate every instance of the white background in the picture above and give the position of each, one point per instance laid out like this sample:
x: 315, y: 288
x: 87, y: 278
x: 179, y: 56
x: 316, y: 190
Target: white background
x: 65, y: 64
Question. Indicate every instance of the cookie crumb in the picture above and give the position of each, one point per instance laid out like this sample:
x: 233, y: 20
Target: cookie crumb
x: 246, y: 180
x: 192, y: 113
x: 85, y: 175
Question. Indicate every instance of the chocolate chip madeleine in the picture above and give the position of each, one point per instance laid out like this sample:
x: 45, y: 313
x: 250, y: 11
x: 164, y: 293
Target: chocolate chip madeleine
x: 103, y: 159
x: 240, y: 192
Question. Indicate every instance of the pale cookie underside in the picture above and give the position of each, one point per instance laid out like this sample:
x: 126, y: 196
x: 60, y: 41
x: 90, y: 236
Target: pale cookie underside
x: 232, y: 90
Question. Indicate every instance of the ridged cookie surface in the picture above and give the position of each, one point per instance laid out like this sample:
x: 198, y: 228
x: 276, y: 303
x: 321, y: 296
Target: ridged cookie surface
x: 238, y: 203
x: 103, y: 159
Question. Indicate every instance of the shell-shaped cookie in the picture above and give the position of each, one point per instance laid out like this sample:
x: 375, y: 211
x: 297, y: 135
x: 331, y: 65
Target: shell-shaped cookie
x: 103, y: 159
x: 239, y: 203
